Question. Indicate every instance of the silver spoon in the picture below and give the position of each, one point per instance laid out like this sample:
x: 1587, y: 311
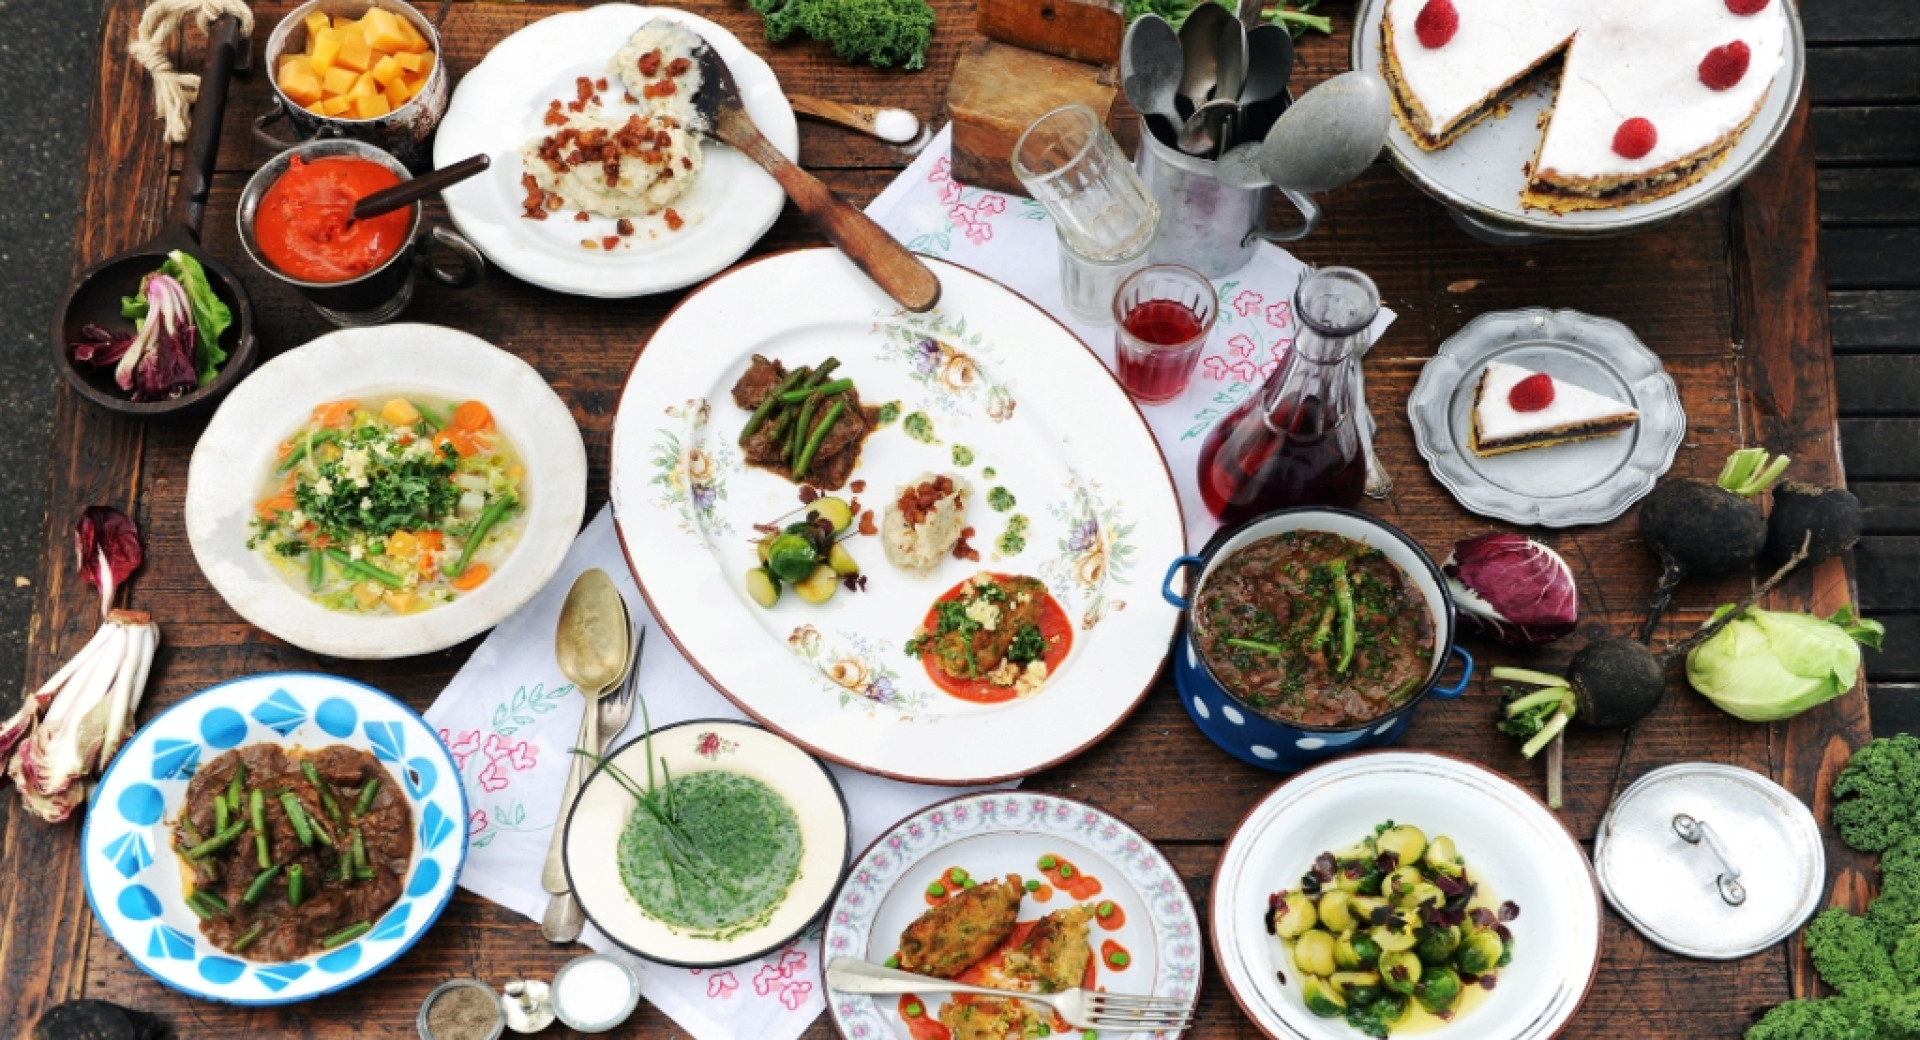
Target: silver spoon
x: 1150, y: 63
x: 1200, y: 134
x: 593, y: 644
x: 1269, y: 63
x: 1250, y: 12
x: 1330, y: 135
x: 1232, y: 72
x: 1200, y: 52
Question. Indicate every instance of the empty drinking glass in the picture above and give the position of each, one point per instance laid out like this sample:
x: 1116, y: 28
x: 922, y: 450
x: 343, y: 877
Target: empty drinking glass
x: 1105, y: 217
x: 1165, y: 313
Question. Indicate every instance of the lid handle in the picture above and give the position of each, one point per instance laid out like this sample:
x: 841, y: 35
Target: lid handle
x: 1692, y: 831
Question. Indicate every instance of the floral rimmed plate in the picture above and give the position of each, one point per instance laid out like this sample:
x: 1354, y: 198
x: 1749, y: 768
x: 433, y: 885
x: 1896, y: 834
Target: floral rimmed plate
x: 989, y: 836
x: 133, y: 878
x: 500, y: 105
x: 600, y: 814
x: 231, y: 463
x: 1009, y: 399
x: 1510, y: 840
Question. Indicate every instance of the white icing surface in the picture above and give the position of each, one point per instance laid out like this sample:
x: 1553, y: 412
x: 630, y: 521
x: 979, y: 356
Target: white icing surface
x: 1626, y: 60
x: 1571, y: 404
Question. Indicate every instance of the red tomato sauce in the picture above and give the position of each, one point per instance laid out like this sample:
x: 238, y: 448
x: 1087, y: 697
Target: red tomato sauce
x: 1116, y: 918
x: 1071, y: 880
x: 1108, y: 950
x: 305, y: 226
x: 1054, y: 625
x: 922, y: 1026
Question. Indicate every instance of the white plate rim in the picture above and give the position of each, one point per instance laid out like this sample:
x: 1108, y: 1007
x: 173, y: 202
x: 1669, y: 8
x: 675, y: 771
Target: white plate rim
x: 227, y: 467
x: 593, y: 274
x: 629, y: 506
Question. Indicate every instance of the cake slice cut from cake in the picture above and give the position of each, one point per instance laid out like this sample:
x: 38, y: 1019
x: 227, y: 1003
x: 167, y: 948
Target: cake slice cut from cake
x: 1515, y: 408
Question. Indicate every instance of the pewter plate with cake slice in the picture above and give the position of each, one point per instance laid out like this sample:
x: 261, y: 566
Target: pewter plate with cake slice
x: 1711, y: 121
x: 1567, y: 482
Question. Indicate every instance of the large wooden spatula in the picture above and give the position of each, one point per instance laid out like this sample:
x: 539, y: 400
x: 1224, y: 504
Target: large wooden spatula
x: 901, y: 274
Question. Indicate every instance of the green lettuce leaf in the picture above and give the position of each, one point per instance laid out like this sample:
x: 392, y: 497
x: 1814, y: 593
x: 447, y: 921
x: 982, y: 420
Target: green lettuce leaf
x: 210, y: 316
x: 1768, y: 665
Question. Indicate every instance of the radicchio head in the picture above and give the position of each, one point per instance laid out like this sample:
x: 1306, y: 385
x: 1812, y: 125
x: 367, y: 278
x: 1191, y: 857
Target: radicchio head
x: 1512, y: 589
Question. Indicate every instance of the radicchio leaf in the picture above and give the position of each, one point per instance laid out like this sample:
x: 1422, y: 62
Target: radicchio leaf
x: 99, y: 348
x: 106, y: 547
x: 1512, y: 589
x: 158, y: 366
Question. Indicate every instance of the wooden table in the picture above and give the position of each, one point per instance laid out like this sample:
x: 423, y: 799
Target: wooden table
x: 1730, y: 297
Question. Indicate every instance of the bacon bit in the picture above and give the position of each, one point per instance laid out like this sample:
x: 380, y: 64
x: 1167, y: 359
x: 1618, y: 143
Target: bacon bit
x: 916, y: 502
x: 631, y: 100
x: 554, y: 116
x: 600, y: 84
x: 854, y: 507
x: 867, y: 526
x: 533, y: 208
x: 624, y: 226
x: 610, y: 242
x: 582, y: 216
x: 588, y: 243
x: 659, y: 88
x: 674, y: 223
x: 808, y: 494
x: 650, y: 62
x: 963, y: 551
x: 686, y: 162
x: 678, y: 66
x: 858, y: 486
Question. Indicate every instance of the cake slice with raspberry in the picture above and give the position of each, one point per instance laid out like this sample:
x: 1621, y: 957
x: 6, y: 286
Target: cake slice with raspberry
x: 1516, y: 408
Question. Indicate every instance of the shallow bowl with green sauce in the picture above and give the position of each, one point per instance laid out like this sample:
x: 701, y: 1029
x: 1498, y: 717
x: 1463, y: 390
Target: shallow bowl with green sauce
x: 737, y: 850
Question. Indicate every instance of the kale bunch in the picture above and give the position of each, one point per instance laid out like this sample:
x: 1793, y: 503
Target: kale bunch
x: 1871, y: 962
x: 884, y: 32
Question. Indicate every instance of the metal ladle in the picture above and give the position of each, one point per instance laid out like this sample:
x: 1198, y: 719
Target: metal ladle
x: 1325, y: 139
x: 592, y: 644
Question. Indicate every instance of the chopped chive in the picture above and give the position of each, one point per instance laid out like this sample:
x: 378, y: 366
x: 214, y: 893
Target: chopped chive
x: 218, y: 841
x: 263, y: 852
x: 296, y: 884
x: 220, y: 814
x: 316, y: 570
x: 346, y: 935
x: 359, y: 850
x: 234, y: 785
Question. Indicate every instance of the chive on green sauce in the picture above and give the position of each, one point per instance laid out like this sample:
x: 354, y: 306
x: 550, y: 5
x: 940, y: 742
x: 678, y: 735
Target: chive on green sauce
x: 750, y: 839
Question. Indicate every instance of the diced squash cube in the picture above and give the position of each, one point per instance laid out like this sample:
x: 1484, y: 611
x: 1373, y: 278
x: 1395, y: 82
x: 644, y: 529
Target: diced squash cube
x: 415, y: 42
x: 345, y: 24
x: 354, y: 52
x: 400, y: 412
x: 410, y: 61
x: 335, y: 106
x: 337, y: 81
x: 426, y: 63
x: 363, y: 86
x: 370, y: 106
x: 298, y: 82
x: 383, y: 32
x: 415, y: 84
x: 324, y: 50
x: 317, y: 23
x: 317, y: 108
x: 397, y: 93
x: 385, y: 71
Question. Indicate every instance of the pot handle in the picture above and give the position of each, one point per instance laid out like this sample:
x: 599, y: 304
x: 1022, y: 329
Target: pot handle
x: 1166, y: 587
x: 280, y: 144
x: 1309, y: 221
x: 1447, y: 693
x: 471, y: 264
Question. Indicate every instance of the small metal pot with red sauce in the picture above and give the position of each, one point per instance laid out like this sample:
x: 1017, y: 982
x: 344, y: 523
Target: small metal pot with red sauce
x: 1223, y: 689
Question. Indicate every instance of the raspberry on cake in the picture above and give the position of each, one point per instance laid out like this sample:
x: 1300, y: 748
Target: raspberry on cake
x: 1650, y: 97
x: 1515, y: 409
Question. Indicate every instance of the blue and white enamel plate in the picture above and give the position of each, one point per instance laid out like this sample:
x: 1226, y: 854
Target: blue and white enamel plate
x: 134, y: 882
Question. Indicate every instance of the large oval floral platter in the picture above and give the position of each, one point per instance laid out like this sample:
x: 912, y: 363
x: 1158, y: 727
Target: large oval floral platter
x: 1145, y: 937
x: 986, y: 388
x: 133, y: 878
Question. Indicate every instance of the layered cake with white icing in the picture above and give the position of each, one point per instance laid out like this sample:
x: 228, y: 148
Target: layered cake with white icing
x: 1515, y: 408
x: 1651, y: 96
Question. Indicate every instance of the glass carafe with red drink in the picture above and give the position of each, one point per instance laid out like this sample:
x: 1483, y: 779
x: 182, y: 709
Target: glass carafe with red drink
x: 1296, y: 440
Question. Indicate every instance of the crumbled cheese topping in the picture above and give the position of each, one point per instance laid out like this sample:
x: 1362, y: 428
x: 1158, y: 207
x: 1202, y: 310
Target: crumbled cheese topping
x: 987, y: 614
x: 353, y: 465
x: 356, y: 551
x: 323, y: 487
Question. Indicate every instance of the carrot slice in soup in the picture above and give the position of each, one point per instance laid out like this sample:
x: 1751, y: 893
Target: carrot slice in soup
x: 334, y: 414
x: 472, y: 416
x: 470, y: 578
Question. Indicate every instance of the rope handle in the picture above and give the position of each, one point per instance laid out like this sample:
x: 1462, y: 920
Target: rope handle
x: 174, y: 92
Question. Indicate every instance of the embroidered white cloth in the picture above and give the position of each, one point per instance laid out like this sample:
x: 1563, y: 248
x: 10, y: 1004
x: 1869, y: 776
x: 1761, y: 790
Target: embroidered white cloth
x: 509, y: 717
x: 1012, y: 241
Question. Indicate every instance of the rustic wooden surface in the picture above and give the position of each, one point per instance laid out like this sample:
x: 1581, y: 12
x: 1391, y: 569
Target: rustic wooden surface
x: 1723, y: 296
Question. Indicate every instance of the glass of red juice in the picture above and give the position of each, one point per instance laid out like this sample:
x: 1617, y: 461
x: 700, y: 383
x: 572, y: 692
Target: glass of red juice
x: 1163, y: 315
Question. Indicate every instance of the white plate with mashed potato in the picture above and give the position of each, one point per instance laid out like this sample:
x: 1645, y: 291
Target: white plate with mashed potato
x: 596, y: 187
x: 1065, y: 519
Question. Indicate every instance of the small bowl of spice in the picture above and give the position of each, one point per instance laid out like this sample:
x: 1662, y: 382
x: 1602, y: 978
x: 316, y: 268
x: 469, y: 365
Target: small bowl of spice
x: 594, y: 993
x: 462, y: 1009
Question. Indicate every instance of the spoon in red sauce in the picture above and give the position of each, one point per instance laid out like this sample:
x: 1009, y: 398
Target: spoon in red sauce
x: 409, y: 192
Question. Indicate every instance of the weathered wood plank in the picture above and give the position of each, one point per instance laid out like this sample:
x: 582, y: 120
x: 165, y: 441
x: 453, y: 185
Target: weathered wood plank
x: 1877, y: 135
x: 1900, y: 660
x: 1862, y: 75
x: 1896, y: 706
x: 1887, y: 566
x: 1875, y: 320
x: 1882, y: 449
x: 1867, y: 196
x: 1878, y: 384
x: 1858, y: 21
x: 1892, y: 507
x: 1871, y: 258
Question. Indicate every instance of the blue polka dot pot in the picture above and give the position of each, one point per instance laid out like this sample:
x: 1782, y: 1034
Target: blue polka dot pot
x: 138, y: 891
x: 1285, y: 747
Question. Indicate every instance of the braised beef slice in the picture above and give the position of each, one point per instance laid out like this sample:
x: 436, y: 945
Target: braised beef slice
x: 759, y: 379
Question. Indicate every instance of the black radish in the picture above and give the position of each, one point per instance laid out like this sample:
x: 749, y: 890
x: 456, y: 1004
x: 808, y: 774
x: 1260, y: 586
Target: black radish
x: 1706, y: 528
x: 1828, y: 520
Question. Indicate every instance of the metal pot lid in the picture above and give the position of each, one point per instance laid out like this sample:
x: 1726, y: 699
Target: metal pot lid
x: 1710, y: 861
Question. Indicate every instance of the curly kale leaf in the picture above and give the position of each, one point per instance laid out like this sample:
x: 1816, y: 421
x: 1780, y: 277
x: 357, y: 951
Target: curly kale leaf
x: 1877, y: 796
x: 883, y: 32
x: 1849, y: 956
x: 1838, y: 1018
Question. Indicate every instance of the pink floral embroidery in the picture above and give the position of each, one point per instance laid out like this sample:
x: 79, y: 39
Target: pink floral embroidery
x: 792, y: 963
x: 503, y: 757
x: 463, y: 748
x: 975, y: 219
x: 766, y: 979
x: 795, y: 995
x: 1243, y: 345
x: 1247, y: 302
x: 476, y: 822
x: 1280, y: 315
x: 1220, y: 369
x: 722, y: 986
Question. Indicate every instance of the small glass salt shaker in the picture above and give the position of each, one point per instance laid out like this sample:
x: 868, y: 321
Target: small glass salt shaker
x: 528, y: 1004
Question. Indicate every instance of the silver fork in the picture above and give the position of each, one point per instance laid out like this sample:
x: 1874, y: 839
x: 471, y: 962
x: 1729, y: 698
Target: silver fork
x: 564, y: 920
x: 1082, y: 1009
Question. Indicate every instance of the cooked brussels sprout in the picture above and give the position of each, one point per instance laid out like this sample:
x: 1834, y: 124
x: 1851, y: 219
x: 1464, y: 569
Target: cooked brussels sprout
x: 1322, y: 999
x: 842, y: 561
x: 1381, y: 1017
x: 835, y: 510
x: 1294, y: 916
x: 1356, y: 950
x: 762, y: 587
x: 1362, y: 850
x: 1345, y: 957
x: 1480, y: 953
x: 1443, y: 857
x: 1425, y: 894
x: 1366, y: 908
x: 1400, y: 972
x: 1360, y: 988
x: 1438, y: 989
x: 1404, y: 841
x: 761, y: 547
x: 792, y: 558
x: 1401, y: 881
x: 819, y: 586
x: 1398, y: 933
x: 1437, y: 944
x: 1313, y: 953
x: 1336, y: 911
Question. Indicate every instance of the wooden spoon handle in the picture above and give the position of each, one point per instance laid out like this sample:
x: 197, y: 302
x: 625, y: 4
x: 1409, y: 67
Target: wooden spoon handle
x: 898, y: 272
x: 857, y: 117
x: 407, y: 193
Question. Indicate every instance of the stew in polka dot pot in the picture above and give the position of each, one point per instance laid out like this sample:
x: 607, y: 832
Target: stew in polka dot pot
x: 1310, y: 632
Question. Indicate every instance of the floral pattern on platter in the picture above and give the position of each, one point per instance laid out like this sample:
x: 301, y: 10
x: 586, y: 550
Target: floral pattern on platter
x: 711, y: 746
x: 850, y: 920
x: 857, y: 673
x: 692, y: 480
x: 1094, y: 555
x: 931, y: 346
